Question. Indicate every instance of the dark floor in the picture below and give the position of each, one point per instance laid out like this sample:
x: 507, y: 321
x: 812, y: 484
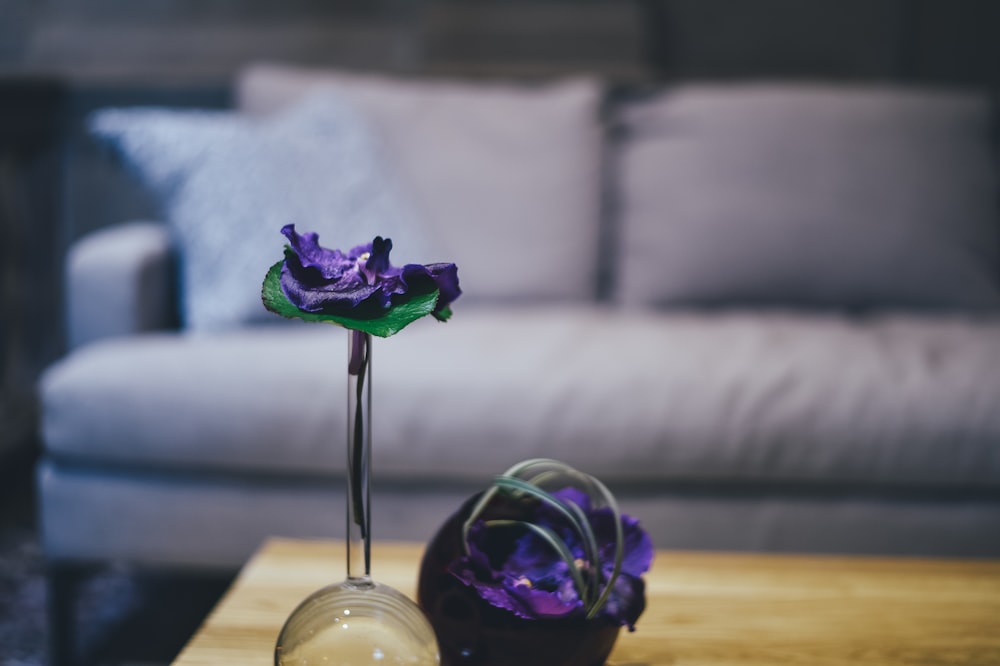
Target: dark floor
x: 123, y: 616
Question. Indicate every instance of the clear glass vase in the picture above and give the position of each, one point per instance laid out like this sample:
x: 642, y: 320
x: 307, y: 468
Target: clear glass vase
x: 357, y: 621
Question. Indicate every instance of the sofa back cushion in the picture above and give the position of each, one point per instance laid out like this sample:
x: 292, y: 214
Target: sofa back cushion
x: 505, y: 177
x: 228, y: 183
x: 797, y: 195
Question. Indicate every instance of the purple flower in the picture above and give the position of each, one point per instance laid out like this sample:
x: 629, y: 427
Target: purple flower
x: 518, y: 570
x: 360, y: 283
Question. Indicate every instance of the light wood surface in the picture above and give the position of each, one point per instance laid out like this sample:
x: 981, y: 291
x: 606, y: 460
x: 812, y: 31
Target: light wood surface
x: 703, y: 608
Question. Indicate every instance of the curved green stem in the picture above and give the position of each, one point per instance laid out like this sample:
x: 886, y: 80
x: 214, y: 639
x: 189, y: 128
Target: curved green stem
x: 540, y: 471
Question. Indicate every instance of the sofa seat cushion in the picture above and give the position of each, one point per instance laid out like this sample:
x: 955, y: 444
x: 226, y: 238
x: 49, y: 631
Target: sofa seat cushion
x: 654, y: 397
x: 205, y: 523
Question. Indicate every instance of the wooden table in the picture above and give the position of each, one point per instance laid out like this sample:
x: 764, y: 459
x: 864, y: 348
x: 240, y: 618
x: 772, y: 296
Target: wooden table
x: 703, y: 608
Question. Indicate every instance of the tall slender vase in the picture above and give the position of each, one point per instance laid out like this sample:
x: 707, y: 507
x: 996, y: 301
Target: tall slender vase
x: 357, y: 621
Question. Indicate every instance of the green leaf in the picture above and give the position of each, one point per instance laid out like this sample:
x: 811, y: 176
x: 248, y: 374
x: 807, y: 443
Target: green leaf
x: 396, y: 319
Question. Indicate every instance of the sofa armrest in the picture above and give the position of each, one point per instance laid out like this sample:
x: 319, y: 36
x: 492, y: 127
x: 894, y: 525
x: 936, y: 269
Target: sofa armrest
x: 120, y: 281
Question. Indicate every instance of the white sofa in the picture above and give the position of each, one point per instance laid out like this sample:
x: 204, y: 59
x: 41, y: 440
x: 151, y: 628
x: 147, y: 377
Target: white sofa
x: 766, y: 315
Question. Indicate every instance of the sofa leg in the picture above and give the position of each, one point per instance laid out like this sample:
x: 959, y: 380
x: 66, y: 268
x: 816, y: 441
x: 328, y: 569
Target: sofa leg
x: 62, y: 581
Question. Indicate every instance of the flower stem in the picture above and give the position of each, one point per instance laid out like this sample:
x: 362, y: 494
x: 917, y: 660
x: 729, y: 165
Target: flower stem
x: 359, y: 400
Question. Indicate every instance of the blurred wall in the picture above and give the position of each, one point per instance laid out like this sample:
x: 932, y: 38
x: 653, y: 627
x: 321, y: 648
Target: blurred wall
x: 953, y: 42
x: 205, y: 41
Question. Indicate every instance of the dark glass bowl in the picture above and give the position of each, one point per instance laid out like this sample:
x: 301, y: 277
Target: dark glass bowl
x: 471, y: 632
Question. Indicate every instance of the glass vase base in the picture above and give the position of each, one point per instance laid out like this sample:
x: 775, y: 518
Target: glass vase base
x: 356, y: 624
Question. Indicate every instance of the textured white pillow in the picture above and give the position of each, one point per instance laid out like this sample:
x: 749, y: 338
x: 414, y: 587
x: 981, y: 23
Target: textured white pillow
x: 809, y: 196
x: 506, y: 177
x: 229, y: 182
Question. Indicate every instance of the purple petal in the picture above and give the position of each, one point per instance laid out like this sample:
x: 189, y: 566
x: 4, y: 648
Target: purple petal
x: 528, y: 577
x: 416, y: 279
x: 342, y: 295
x: 536, y: 560
x: 639, y: 550
x: 521, y: 572
x: 574, y: 496
x: 378, y: 259
x: 544, y: 603
x: 316, y: 279
x: 446, y: 278
x: 626, y: 602
x: 499, y: 596
x: 331, y: 264
x: 518, y: 595
x: 361, y: 283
